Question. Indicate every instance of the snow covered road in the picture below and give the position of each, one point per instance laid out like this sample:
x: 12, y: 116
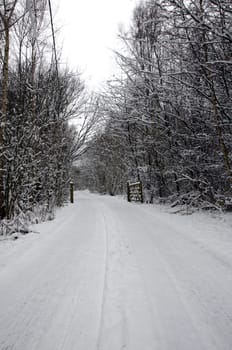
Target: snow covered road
x: 111, y: 275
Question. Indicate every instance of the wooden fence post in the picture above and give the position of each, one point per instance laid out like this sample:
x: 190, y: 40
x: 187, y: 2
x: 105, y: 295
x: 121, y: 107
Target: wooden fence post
x: 71, y: 192
x: 141, y: 191
x: 128, y: 192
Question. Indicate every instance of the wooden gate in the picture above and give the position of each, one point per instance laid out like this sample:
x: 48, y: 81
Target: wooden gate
x: 135, y: 192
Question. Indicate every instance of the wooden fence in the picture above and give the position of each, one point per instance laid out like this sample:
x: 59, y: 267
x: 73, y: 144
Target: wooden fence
x: 135, y: 192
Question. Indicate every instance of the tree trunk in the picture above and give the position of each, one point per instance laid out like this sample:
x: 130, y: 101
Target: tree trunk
x: 5, y: 75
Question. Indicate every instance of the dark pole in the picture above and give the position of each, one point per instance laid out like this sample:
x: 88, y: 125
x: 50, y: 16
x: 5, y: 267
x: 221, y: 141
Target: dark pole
x: 141, y: 191
x: 128, y: 192
x: 71, y: 192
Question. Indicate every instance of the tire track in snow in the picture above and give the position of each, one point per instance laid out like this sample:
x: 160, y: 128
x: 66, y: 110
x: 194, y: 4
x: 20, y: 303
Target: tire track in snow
x: 127, y: 320
x: 112, y: 306
x: 104, y: 289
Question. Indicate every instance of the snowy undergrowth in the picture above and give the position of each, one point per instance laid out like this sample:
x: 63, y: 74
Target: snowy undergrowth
x: 21, y: 223
x: 193, y: 213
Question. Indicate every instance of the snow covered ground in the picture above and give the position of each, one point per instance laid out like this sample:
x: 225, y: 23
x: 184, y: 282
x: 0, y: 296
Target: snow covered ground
x: 111, y: 275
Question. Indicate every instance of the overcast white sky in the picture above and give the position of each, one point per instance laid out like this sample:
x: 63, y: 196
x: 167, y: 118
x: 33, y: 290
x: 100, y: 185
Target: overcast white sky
x: 88, y: 31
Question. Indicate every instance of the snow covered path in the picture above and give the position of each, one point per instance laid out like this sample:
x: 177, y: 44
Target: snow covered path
x: 109, y: 275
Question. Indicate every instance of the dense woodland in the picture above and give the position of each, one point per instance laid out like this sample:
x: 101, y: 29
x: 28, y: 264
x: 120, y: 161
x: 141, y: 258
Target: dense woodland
x: 38, y: 100
x: 168, y: 113
x: 164, y: 119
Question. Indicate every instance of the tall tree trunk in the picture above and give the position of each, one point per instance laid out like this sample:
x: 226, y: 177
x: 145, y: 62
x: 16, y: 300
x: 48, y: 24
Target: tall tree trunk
x: 5, y: 76
x: 6, y: 16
